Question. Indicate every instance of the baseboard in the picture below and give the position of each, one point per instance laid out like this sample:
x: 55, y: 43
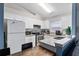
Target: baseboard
x: 5, y: 52
x: 26, y: 46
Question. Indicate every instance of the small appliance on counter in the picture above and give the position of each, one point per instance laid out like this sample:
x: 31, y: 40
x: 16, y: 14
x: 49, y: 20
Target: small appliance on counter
x: 28, y: 31
x: 58, y: 32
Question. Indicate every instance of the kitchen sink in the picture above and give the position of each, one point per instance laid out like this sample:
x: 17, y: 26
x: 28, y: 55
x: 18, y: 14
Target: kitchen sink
x: 59, y: 38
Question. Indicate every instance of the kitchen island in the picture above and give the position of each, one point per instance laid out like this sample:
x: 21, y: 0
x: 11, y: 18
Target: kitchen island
x: 59, y: 46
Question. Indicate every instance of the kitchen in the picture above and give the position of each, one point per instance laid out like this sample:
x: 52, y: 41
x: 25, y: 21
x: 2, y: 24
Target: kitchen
x: 50, y: 30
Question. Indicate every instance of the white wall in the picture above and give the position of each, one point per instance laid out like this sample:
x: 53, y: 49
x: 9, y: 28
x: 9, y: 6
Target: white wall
x: 22, y: 15
x: 46, y: 24
x: 62, y: 21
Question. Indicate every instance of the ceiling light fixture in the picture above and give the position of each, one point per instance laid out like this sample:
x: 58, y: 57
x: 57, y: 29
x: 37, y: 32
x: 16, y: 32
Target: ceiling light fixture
x: 44, y: 7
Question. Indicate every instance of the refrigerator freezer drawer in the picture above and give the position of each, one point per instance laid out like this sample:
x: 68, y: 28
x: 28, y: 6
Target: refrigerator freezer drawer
x: 15, y: 41
x: 15, y: 48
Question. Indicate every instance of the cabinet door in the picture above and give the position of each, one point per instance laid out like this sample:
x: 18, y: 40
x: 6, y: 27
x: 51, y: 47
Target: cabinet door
x: 29, y: 39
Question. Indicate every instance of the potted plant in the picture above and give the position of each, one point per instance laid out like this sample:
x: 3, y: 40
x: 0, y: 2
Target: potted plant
x: 68, y: 30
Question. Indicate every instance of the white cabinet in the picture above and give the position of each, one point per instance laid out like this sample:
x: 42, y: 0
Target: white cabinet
x: 30, y: 38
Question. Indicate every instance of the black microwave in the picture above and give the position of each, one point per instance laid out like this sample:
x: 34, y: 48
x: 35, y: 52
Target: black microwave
x: 28, y: 32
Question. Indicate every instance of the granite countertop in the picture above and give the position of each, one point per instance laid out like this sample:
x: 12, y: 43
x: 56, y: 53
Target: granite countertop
x: 61, y: 42
x: 64, y: 41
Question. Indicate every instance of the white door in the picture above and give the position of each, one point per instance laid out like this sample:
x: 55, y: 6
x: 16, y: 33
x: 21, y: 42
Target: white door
x: 15, y: 26
x: 15, y: 42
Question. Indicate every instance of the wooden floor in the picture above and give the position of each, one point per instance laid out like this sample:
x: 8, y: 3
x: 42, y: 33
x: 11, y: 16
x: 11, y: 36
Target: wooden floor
x: 38, y: 51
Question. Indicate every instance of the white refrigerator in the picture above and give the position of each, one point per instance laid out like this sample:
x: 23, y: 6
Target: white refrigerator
x: 15, y: 35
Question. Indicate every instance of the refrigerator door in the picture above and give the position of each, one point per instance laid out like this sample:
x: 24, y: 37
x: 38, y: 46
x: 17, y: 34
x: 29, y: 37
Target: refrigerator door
x: 15, y: 42
x: 15, y: 26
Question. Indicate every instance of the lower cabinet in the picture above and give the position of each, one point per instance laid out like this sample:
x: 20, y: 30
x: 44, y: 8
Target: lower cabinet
x: 29, y: 42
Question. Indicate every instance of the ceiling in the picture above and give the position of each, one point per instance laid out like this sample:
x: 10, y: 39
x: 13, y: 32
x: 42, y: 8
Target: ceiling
x: 34, y: 8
